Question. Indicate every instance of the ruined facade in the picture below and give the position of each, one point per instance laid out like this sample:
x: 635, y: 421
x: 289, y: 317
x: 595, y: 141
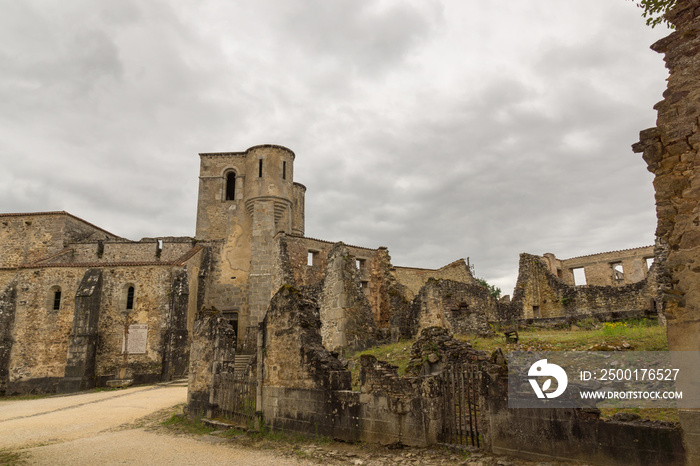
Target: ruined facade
x: 80, y: 306
x: 546, y: 288
x: 614, y: 268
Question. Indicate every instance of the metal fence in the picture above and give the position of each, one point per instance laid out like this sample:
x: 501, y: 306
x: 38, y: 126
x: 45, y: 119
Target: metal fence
x: 236, y: 397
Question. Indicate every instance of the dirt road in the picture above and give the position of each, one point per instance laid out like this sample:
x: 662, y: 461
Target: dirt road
x: 103, y: 428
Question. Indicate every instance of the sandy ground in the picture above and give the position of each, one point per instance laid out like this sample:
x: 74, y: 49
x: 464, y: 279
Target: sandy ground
x: 103, y: 428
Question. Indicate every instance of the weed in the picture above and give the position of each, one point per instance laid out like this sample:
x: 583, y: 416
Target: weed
x: 184, y: 424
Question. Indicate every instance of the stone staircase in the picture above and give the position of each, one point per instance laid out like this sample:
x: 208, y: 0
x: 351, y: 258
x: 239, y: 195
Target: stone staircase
x: 240, y: 363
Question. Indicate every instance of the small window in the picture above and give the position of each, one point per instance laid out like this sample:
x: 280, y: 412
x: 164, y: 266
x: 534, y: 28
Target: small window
x: 57, y: 299
x: 618, y: 271
x: 312, y: 258
x: 231, y: 186
x: 260, y: 172
x: 284, y: 170
x: 535, y: 312
x: 649, y: 261
x: 365, y: 286
x: 579, y: 276
x: 130, y: 298
x: 360, y: 264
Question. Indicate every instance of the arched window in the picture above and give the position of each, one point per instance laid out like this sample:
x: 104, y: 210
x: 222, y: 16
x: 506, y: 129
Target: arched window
x: 231, y: 186
x: 130, y: 298
x: 127, y: 298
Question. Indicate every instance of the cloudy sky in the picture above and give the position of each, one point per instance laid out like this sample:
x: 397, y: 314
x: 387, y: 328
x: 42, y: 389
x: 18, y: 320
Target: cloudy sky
x: 441, y: 129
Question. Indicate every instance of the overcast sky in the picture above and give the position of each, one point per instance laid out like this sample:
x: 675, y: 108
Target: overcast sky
x: 440, y: 129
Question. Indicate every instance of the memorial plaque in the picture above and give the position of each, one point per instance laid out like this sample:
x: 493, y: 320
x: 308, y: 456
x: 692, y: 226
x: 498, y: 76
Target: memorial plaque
x: 138, y: 335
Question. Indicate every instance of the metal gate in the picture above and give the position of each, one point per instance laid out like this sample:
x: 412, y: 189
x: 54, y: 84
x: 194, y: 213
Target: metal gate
x: 236, y: 395
x: 460, y: 404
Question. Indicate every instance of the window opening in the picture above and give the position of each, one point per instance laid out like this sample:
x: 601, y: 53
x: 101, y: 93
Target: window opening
x: 130, y: 298
x: 579, y: 276
x: 365, y: 286
x: 649, y: 261
x: 618, y: 271
x: 284, y: 170
x: 312, y: 258
x: 231, y: 186
x: 536, y: 312
x: 57, y: 300
x: 260, y: 168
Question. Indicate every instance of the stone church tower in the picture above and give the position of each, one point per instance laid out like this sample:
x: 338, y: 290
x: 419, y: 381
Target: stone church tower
x: 245, y: 199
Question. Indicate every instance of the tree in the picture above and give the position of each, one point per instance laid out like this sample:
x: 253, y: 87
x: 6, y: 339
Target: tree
x: 493, y: 290
x: 654, y: 11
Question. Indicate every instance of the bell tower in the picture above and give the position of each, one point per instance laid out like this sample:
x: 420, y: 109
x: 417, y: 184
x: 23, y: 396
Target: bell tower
x: 245, y: 199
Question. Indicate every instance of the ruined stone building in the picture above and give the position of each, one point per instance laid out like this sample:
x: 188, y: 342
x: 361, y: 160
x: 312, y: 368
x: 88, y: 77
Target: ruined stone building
x: 607, y: 285
x: 80, y: 306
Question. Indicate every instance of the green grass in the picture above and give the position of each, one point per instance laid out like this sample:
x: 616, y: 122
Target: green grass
x: 186, y: 425
x: 10, y: 458
x: 654, y: 414
x: 640, y: 334
x: 397, y: 354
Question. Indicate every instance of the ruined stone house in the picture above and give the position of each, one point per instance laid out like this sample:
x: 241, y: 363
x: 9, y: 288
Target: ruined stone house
x: 609, y: 285
x: 80, y: 306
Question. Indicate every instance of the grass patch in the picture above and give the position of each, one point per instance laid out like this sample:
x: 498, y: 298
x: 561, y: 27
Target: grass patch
x: 11, y: 458
x: 183, y: 424
x: 397, y: 354
x: 653, y: 414
x: 640, y: 334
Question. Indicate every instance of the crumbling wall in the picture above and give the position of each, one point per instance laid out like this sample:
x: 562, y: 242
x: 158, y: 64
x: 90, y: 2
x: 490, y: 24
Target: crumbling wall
x: 390, y: 300
x: 414, y: 278
x: 600, y: 269
x: 456, y: 306
x: 672, y: 153
x: 541, y: 434
x: 346, y: 315
x: 211, y: 352
x: 307, y: 389
x: 540, y: 295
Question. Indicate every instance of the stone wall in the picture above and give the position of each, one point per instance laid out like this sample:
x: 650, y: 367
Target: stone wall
x: 82, y: 339
x: 599, y: 268
x: 7, y: 318
x: 29, y: 237
x: 456, y: 306
x: 212, y: 351
x: 346, y: 315
x: 540, y: 295
x: 672, y: 153
x: 540, y: 434
x: 307, y: 389
x: 414, y: 278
